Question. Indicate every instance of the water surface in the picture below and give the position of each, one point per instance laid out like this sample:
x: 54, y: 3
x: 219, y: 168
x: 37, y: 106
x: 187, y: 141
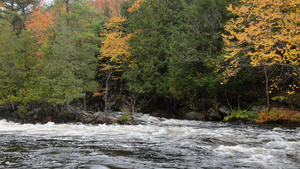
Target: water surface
x: 158, y: 143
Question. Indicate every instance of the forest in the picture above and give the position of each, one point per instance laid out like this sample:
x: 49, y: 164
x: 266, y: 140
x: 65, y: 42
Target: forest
x: 153, y: 56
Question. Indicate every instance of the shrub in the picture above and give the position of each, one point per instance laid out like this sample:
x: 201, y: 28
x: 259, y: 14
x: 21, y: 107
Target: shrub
x: 279, y: 115
x: 124, y: 118
x: 241, y: 115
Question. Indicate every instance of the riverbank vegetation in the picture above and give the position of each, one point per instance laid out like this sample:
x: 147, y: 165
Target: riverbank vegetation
x: 167, y: 58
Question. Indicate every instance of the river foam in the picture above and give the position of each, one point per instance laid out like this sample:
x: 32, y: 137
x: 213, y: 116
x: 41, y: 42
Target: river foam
x: 158, y: 143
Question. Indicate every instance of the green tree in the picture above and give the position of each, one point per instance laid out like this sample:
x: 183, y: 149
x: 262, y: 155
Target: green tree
x: 17, y: 60
x: 195, y: 46
x: 15, y: 11
x: 68, y: 63
x: 150, y: 26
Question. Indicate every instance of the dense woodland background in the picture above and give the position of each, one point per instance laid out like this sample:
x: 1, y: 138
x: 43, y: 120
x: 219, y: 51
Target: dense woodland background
x: 149, y: 55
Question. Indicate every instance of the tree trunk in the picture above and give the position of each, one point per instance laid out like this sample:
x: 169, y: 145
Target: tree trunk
x: 267, y: 88
x: 110, y: 72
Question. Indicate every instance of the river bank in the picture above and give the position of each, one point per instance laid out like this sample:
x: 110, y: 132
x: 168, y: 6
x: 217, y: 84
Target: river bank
x: 72, y: 114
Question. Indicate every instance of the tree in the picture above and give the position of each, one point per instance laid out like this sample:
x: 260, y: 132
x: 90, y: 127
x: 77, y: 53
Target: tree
x: 68, y: 64
x: 16, y: 11
x: 114, y: 53
x: 17, y: 63
x: 195, y: 46
x: 265, y: 34
x: 150, y: 25
x: 39, y: 22
x: 110, y: 8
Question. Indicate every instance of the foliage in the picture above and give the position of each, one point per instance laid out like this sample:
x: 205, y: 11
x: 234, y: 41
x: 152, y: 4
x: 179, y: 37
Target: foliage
x: 61, y: 68
x: 114, y: 53
x: 241, y: 115
x: 150, y: 25
x: 15, y: 12
x: 115, y: 48
x: 293, y: 101
x: 39, y: 21
x: 195, y: 44
x: 279, y: 115
x: 265, y: 33
x: 17, y: 63
x: 124, y: 118
x: 110, y: 8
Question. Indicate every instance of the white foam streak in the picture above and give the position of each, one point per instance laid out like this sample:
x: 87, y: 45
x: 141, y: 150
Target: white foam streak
x: 262, y: 147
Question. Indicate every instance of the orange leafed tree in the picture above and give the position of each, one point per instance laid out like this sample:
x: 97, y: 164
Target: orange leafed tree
x: 114, y: 6
x: 265, y: 33
x: 135, y: 6
x: 39, y: 22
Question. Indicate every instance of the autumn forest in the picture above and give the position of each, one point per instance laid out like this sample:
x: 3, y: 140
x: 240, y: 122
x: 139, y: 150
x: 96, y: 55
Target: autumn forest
x: 168, y: 57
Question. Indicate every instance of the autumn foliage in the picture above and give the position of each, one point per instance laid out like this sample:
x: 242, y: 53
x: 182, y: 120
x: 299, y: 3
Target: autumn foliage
x: 114, y: 6
x: 116, y: 45
x: 264, y: 33
x: 39, y: 22
x: 279, y: 115
x: 135, y: 6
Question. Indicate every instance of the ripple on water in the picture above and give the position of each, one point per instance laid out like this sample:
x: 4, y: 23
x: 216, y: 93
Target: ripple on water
x: 163, y: 144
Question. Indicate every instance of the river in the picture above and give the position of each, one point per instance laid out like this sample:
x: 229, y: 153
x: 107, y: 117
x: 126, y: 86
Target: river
x: 157, y: 143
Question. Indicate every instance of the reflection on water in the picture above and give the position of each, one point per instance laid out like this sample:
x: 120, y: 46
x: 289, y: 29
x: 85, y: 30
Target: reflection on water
x: 159, y: 143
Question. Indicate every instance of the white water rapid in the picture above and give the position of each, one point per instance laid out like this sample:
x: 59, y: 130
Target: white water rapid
x: 157, y: 143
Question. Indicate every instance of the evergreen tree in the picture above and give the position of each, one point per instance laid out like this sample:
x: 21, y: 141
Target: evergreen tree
x: 150, y: 26
x: 195, y: 45
x: 68, y: 63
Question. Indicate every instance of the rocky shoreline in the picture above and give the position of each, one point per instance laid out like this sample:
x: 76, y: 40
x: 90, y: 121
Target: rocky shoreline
x: 74, y: 114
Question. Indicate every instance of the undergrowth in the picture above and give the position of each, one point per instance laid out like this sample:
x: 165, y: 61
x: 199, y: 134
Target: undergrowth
x: 279, y: 115
x: 243, y: 115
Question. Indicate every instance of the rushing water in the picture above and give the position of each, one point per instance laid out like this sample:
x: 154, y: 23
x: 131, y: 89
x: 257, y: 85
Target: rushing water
x: 155, y: 144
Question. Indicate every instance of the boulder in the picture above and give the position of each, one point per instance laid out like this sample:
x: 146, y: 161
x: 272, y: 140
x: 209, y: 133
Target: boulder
x: 224, y: 110
x: 214, y: 115
x: 193, y: 115
x: 98, y: 115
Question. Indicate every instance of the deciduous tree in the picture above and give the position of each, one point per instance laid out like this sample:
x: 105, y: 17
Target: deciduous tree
x: 114, y: 53
x: 265, y: 34
x: 39, y: 22
x: 111, y: 8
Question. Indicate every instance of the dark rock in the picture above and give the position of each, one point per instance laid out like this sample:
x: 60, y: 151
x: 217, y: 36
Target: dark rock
x: 98, y: 115
x: 214, y: 115
x: 193, y: 115
x: 224, y: 110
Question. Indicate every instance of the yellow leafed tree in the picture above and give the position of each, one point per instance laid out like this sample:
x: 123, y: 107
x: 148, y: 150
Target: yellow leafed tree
x: 115, y: 48
x: 264, y: 33
x: 114, y: 52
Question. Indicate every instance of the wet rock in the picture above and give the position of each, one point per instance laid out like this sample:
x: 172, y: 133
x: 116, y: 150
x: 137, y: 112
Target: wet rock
x: 86, y: 117
x: 214, y: 115
x: 224, y: 110
x: 98, y: 115
x: 193, y: 115
x: 76, y: 115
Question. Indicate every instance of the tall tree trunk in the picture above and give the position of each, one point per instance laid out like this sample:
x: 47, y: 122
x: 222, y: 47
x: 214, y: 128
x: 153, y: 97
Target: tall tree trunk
x: 110, y: 72
x: 67, y: 6
x: 267, y: 87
